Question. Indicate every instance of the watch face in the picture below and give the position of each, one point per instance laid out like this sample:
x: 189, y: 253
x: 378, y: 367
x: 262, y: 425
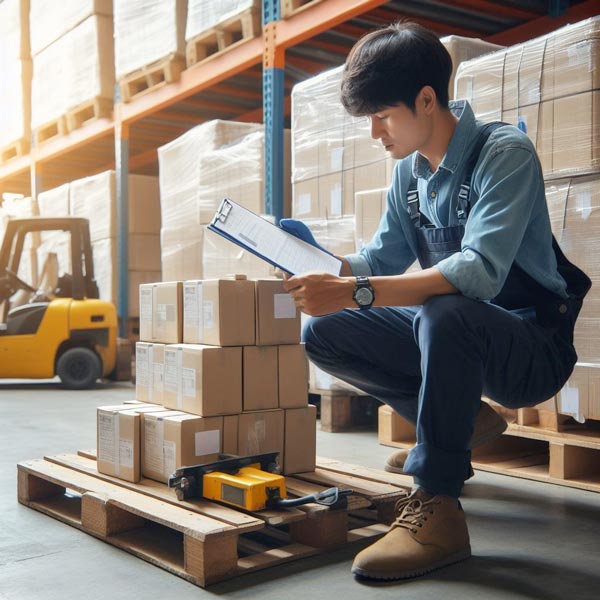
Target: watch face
x: 363, y: 296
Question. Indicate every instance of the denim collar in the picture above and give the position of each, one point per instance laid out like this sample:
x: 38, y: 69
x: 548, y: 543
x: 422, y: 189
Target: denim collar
x: 463, y: 134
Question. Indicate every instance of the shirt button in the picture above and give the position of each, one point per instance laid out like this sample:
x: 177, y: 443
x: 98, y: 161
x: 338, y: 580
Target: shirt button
x: 432, y: 195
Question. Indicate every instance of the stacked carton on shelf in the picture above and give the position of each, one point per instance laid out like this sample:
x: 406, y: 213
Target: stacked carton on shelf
x: 231, y: 356
x: 15, y: 79
x: 216, y: 160
x: 73, y: 65
x: 148, y: 32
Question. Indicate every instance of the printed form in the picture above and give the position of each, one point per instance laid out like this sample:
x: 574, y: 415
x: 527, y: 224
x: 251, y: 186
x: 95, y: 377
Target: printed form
x: 269, y: 242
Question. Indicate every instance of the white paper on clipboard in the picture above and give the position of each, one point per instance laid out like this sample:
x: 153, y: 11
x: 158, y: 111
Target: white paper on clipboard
x: 278, y: 247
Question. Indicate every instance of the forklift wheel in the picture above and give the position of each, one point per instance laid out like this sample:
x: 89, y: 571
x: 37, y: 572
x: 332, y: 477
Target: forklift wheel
x: 78, y: 368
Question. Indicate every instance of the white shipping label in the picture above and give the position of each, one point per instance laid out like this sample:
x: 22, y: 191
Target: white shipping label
x: 208, y: 442
x: 190, y: 305
x: 179, y: 378
x: 146, y: 304
x: 189, y: 382
x: 170, y: 457
x: 208, y: 313
x: 337, y: 159
x: 260, y: 427
x: 126, y: 453
x: 284, y: 307
x: 199, y: 305
x: 158, y: 374
x: 171, y: 370
x: 142, y: 375
x: 153, y: 444
x: 106, y: 438
x: 165, y: 313
x: 583, y: 203
x: 303, y: 202
x: 335, y: 201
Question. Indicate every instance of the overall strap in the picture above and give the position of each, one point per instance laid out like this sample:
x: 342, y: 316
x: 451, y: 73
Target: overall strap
x: 463, y: 205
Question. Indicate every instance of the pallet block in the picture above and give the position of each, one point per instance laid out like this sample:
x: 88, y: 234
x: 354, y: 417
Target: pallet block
x: 291, y: 7
x: 13, y: 150
x: 95, y: 108
x: 226, y: 35
x: 151, y: 77
x: 201, y: 541
x: 50, y: 130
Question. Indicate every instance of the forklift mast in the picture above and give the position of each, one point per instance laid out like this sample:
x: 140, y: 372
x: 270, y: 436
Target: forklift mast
x: 84, y: 284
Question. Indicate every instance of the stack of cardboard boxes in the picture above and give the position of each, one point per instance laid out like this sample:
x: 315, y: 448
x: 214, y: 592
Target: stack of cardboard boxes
x: 216, y: 160
x: 94, y: 198
x: 15, y: 79
x: 223, y: 360
x: 73, y: 58
x: 549, y: 88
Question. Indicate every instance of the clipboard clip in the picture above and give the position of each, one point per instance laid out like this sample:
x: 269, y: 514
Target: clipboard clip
x: 223, y: 210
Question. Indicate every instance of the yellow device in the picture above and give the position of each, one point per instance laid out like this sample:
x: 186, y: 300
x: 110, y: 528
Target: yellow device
x: 247, y: 482
x: 58, y: 326
x: 249, y: 488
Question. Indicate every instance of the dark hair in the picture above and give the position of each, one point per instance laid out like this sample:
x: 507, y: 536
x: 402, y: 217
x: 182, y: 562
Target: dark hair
x: 391, y: 65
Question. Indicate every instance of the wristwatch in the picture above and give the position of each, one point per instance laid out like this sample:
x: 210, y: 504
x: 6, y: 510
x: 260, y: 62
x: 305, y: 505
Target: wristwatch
x: 363, y: 295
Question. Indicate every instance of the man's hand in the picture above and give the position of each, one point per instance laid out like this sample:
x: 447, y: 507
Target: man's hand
x: 320, y: 293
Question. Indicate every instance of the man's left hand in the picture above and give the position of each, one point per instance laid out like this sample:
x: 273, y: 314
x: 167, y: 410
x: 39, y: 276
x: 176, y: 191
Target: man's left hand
x: 320, y: 293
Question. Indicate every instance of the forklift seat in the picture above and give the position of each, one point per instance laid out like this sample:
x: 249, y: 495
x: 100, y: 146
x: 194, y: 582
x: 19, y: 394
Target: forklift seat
x: 25, y: 319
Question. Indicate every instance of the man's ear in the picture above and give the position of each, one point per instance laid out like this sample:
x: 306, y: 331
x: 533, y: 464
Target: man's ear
x: 428, y: 99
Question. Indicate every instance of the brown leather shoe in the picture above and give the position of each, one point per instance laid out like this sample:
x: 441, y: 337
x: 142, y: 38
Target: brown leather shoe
x: 488, y: 426
x: 429, y: 532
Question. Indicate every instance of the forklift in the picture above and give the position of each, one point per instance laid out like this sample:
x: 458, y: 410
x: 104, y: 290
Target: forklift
x: 60, y: 328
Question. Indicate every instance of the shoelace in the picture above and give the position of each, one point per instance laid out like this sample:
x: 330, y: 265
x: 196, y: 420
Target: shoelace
x: 413, y: 513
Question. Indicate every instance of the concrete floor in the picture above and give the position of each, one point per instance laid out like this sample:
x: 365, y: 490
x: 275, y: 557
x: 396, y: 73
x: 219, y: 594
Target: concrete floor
x: 530, y: 540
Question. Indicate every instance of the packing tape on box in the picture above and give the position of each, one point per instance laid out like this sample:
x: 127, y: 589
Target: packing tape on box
x: 180, y: 378
x: 116, y: 444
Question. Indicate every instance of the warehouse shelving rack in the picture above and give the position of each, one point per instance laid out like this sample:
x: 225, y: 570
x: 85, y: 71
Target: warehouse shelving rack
x: 252, y: 82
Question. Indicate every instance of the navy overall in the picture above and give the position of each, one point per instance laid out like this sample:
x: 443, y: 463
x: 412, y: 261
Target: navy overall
x: 432, y: 363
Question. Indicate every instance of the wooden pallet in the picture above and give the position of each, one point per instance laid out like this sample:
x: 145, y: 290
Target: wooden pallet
x: 50, y: 130
x: 151, y: 77
x: 344, y: 410
x: 569, y: 457
x: 291, y: 7
x: 226, y: 35
x: 93, y: 109
x: 201, y: 541
x: 13, y: 150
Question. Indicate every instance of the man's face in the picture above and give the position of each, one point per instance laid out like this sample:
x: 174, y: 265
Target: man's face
x: 401, y: 131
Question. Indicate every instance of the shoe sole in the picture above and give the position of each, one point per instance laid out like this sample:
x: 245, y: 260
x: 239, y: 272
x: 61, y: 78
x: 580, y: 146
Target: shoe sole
x: 450, y: 560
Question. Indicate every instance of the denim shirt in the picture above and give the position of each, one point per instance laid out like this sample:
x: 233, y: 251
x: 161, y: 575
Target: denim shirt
x: 508, y: 221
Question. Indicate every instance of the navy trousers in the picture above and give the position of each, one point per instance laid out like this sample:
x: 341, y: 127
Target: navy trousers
x: 433, y: 363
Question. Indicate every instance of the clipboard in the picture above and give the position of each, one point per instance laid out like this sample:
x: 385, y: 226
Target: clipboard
x: 269, y: 242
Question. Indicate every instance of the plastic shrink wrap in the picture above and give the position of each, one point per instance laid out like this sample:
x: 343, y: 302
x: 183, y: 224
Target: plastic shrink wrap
x: 205, y: 14
x: 49, y: 19
x: 147, y: 31
x: 548, y: 87
x: 216, y: 160
x: 73, y: 70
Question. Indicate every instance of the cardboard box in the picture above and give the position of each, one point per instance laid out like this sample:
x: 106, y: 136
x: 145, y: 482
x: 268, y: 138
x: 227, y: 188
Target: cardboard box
x: 118, y: 439
x: 277, y: 320
x: 370, y: 207
x: 230, y: 434
x: 573, y: 399
x: 219, y: 312
x: 149, y: 372
x: 260, y: 387
x: 300, y: 434
x: 203, y: 380
x: 523, y: 74
x: 261, y: 431
x: 361, y: 179
x: 181, y: 252
x: 136, y: 279
x: 167, y: 312
x: 292, y: 376
x: 171, y: 439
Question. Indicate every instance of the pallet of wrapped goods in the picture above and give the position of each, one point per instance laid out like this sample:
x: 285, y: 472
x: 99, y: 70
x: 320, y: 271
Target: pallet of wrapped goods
x: 149, y: 44
x: 289, y: 8
x: 213, y: 28
x: 549, y: 88
x: 73, y: 79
